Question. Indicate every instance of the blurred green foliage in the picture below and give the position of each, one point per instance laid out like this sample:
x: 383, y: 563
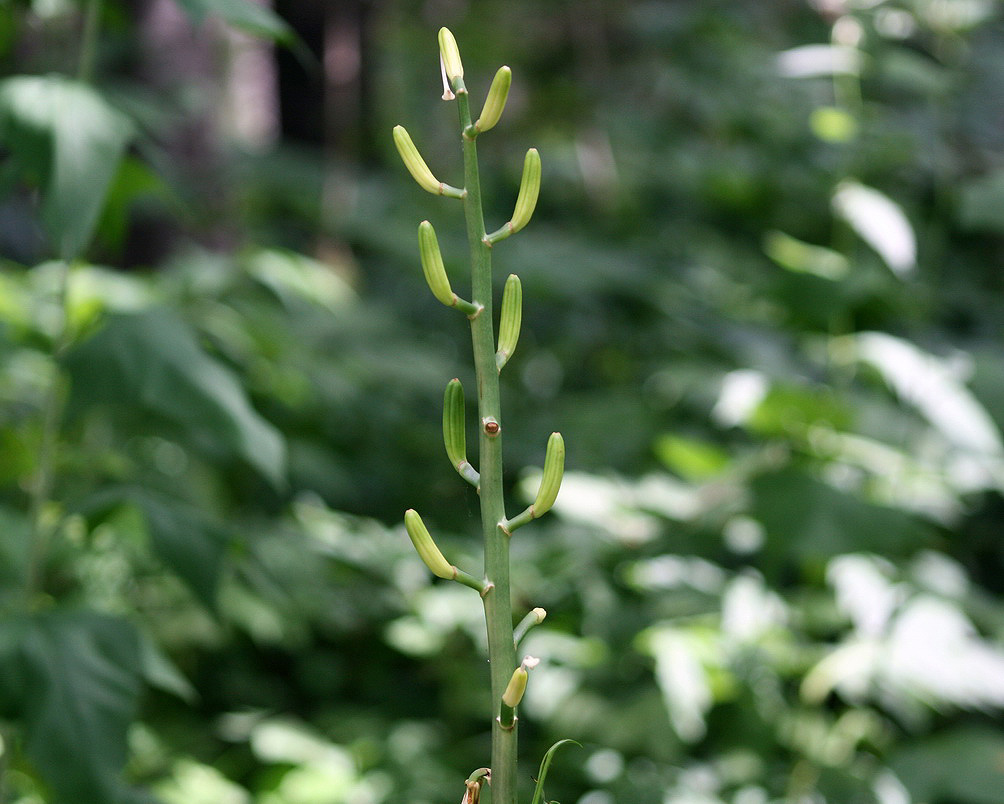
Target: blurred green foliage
x: 762, y: 303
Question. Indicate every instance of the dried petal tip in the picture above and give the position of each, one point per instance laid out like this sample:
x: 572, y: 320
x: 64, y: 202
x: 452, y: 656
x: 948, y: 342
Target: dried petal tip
x: 426, y: 547
x: 495, y: 102
x: 554, y: 470
x: 413, y: 161
x: 529, y: 188
x: 450, y: 54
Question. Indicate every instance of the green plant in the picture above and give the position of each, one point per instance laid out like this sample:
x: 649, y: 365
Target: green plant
x: 508, y: 679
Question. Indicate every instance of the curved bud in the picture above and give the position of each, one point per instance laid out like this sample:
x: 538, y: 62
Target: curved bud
x: 517, y: 686
x: 529, y: 188
x: 509, y: 319
x: 432, y: 264
x: 426, y: 547
x: 554, y: 469
x: 413, y: 161
x: 450, y: 54
x: 495, y: 101
x: 454, y: 433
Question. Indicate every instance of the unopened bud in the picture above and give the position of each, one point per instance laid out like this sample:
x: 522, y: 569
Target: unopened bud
x: 529, y: 188
x: 517, y: 684
x: 510, y: 319
x: 550, y: 481
x: 426, y: 547
x: 454, y: 431
x: 495, y: 101
x: 413, y: 161
x: 450, y: 54
x: 432, y: 264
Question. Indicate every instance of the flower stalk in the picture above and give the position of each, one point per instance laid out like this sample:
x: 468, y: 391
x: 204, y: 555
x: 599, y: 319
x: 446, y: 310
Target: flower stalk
x: 507, y: 686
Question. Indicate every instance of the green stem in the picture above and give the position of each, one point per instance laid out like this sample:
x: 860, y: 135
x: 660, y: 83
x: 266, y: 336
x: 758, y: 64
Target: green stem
x: 89, y: 41
x: 41, y: 486
x: 498, y: 607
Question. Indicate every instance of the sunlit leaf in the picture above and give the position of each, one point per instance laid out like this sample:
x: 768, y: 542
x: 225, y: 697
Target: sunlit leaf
x: 880, y: 222
x: 73, y: 139
x: 808, y: 61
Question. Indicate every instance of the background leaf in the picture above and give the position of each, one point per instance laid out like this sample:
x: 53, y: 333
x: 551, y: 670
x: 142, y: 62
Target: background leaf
x: 73, y: 676
x: 150, y: 362
x: 72, y: 136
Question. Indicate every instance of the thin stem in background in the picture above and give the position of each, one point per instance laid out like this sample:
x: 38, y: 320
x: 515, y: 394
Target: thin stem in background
x: 89, y: 41
x: 48, y: 443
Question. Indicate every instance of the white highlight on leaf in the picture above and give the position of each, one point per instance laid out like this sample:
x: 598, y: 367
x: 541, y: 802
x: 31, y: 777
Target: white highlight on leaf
x: 742, y: 391
x: 808, y: 61
x: 880, y: 222
x: 933, y: 386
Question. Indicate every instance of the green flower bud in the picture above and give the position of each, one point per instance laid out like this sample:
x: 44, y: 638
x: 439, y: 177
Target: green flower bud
x: 509, y: 319
x: 413, y: 161
x: 450, y: 54
x: 426, y: 547
x: 554, y: 469
x: 454, y: 434
x: 517, y: 686
x: 529, y: 188
x: 432, y: 265
x: 495, y: 102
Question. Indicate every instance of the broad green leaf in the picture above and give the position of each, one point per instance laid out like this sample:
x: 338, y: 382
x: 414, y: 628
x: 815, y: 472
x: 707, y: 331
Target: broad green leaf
x: 808, y: 521
x: 252, y: 18
x: 965, y: 764
x: 66, y: 134
x: 185, y: 541
x: 72, y: 679
x: 150, y: 363
x: 180, y: 535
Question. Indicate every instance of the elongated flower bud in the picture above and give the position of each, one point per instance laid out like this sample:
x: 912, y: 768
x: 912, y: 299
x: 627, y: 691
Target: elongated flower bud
x: 432, y: 264
x: 509, y: 319
x: 426, y: 547
x: 454, y: 434
x: 517, y: 686
x: 413, y: 161
x: 554, y: 469
x: 529, y: 188
x: 450, y: 54
x: 495, y: 101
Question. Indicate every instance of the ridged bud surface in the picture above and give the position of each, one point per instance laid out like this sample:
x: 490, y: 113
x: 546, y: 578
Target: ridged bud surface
x: 413, y: 161
x: 450, y: 54
x: 432, y: 264
x: 454, y: 433
x: 554, y: 470
x: 529, y: 188
x: 495, y: 101
x: 426, y: 547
